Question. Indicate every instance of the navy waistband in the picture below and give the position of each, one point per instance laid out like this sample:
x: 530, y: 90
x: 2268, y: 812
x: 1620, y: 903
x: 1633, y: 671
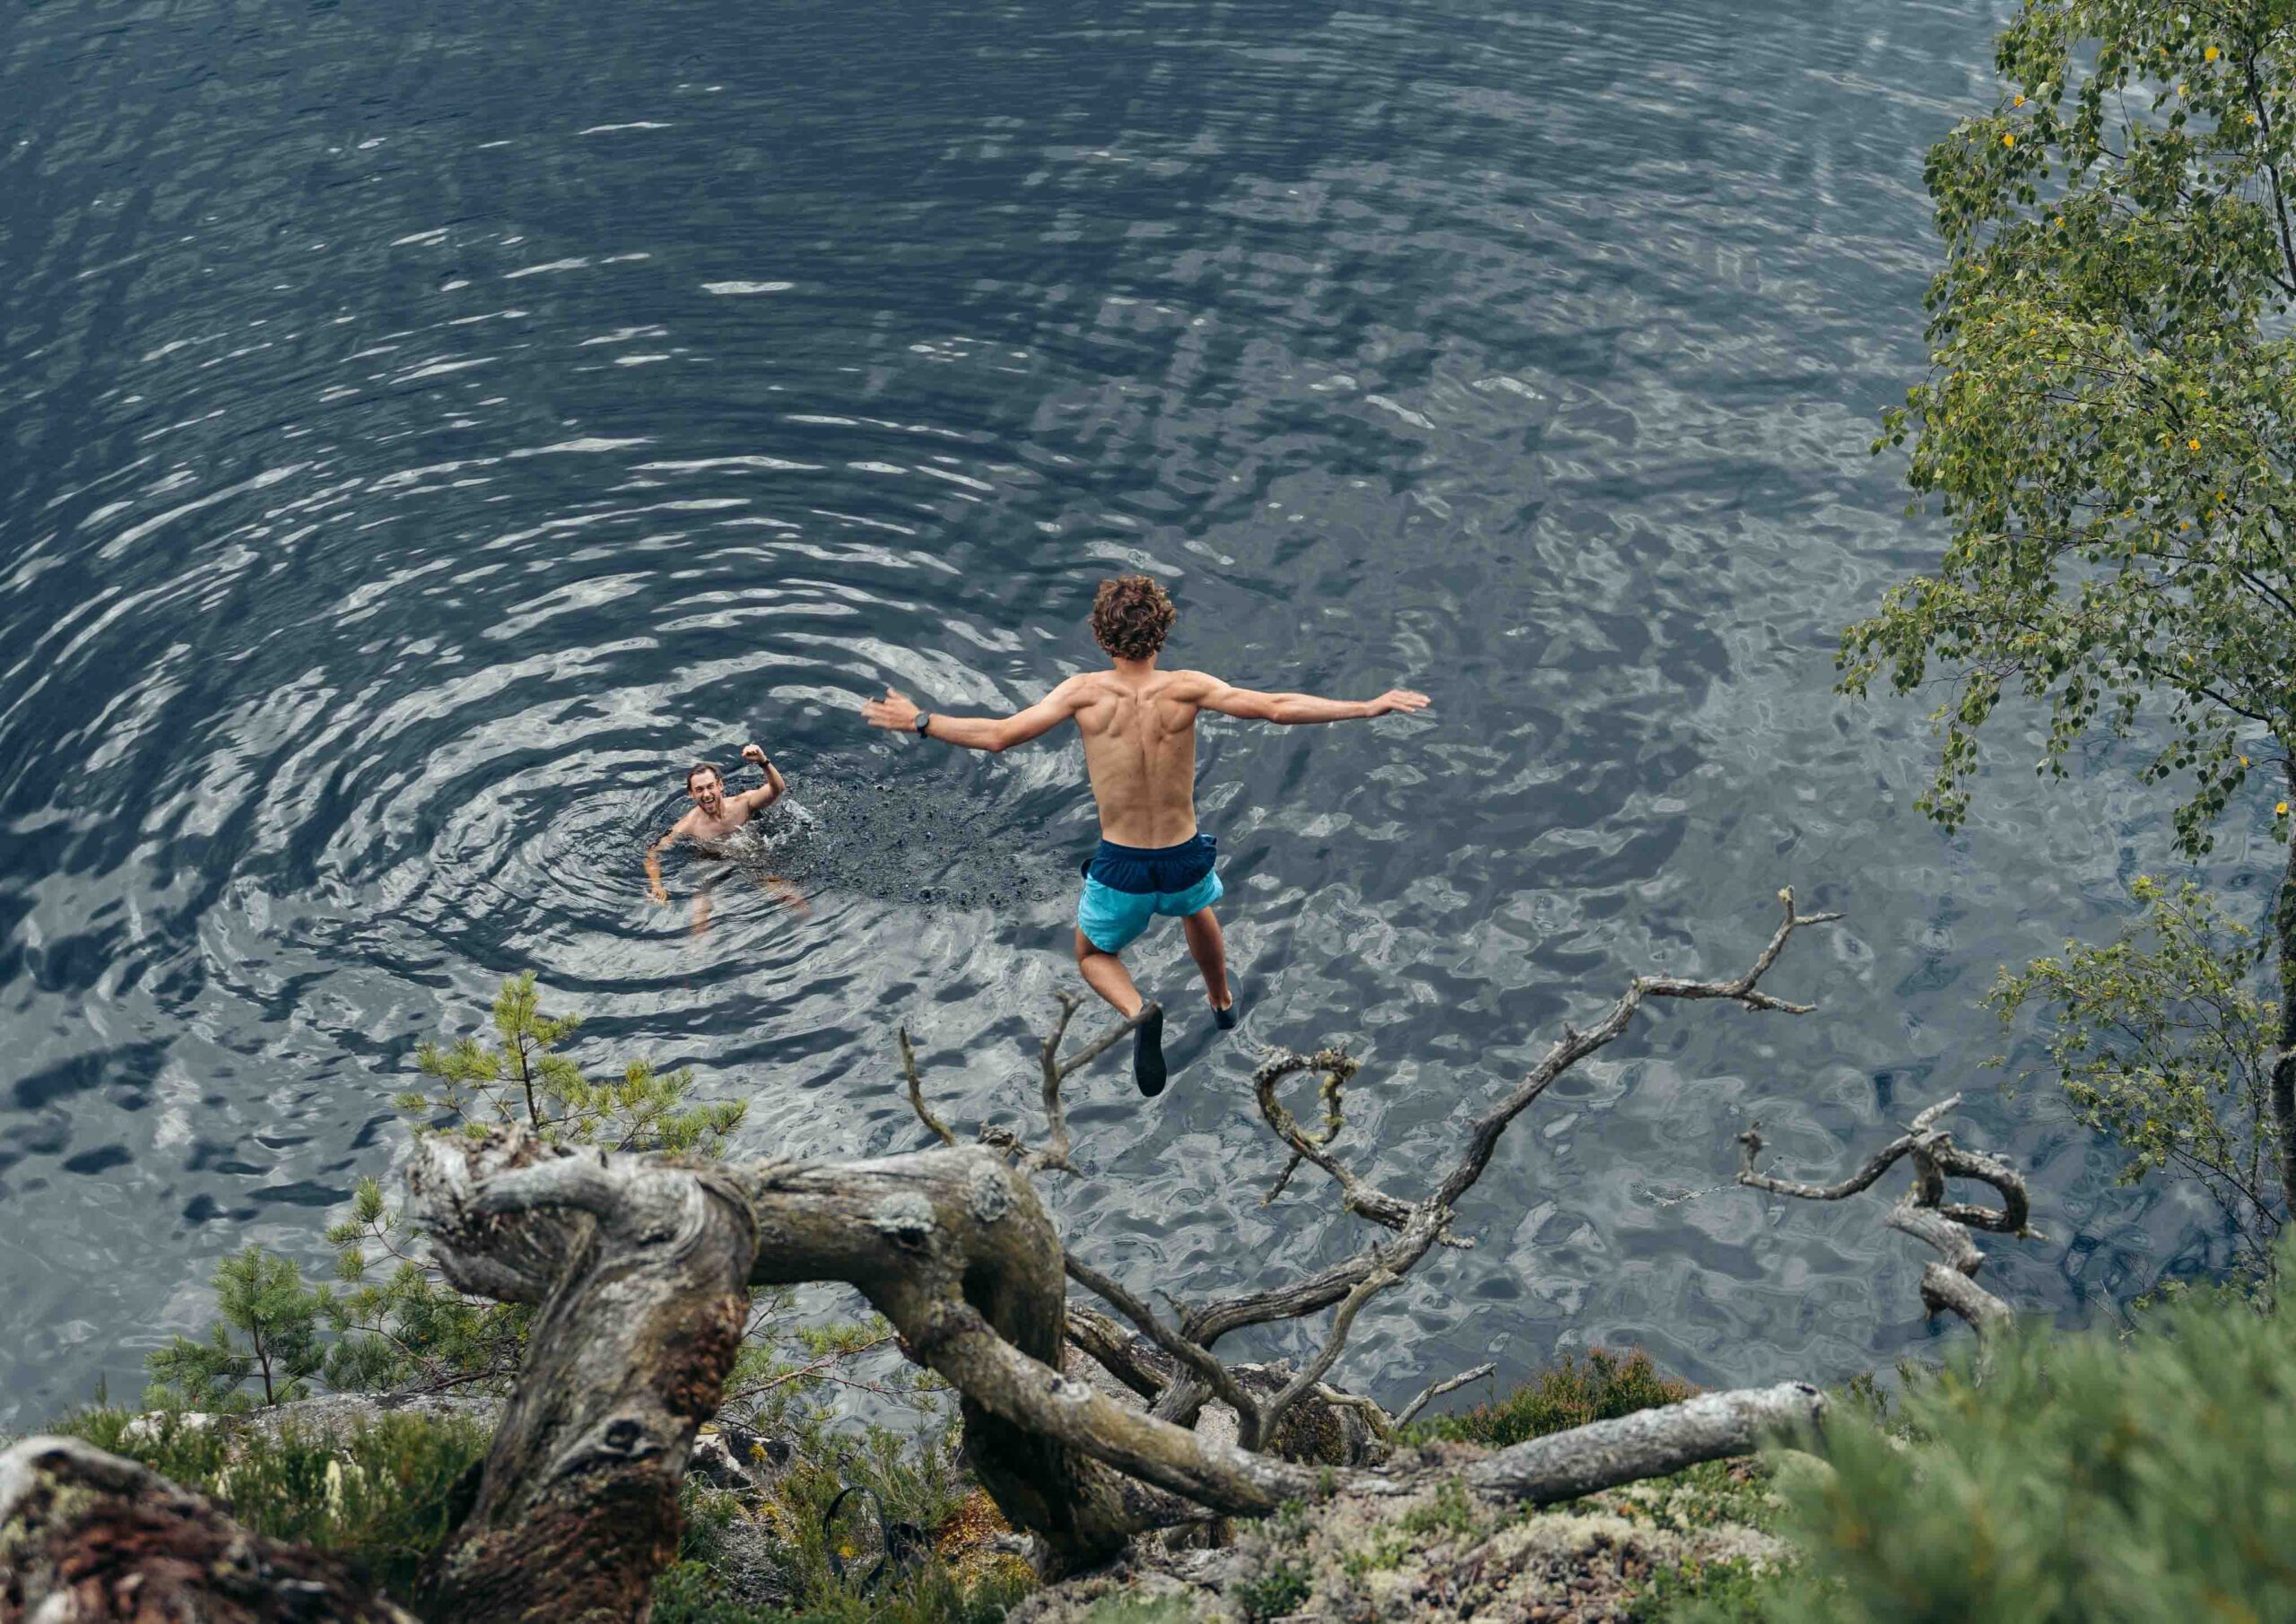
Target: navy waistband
x: 1142, y: 869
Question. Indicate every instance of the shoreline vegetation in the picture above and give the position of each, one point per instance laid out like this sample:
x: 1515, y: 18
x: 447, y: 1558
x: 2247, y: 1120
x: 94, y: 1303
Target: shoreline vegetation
x: 631, y: 1407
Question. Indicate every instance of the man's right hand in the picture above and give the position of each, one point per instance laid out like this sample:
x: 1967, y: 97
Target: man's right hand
x: 894, y: 713
x: 1398, y: 698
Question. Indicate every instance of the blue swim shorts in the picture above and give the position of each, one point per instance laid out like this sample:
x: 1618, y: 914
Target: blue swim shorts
x: 1127, y: 885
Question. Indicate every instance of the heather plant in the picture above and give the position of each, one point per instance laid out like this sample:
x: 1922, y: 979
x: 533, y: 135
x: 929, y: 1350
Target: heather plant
x: 1570, y: 1392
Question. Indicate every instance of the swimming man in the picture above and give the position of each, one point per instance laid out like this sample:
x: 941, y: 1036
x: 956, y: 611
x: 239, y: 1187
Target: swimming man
x: 715, y: 815
x: 1139, y: 729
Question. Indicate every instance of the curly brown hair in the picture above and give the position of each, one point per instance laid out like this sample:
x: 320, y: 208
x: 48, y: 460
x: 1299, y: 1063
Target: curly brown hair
x: 1131, y: 616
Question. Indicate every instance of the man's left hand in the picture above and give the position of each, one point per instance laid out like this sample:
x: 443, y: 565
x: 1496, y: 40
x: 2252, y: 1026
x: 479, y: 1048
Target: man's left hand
x: 754, y: 755
x: 894, y: 712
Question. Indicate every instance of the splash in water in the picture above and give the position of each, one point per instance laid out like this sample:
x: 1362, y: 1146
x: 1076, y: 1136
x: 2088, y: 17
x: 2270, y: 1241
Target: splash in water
x: 887, y: 842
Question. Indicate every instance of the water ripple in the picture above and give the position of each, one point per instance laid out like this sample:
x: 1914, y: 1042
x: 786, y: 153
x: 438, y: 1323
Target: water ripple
x: 422, y: 441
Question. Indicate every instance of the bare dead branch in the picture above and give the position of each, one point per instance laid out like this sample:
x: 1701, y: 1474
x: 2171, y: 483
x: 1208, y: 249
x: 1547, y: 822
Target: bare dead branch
x: 917, y: 1089
x: 1116, y: 1351
x: 1190, y: 1355
x: 1107, y: 1040
x: 1427, y: 1222
x: 1438, y: 1389
x: 1335, y: 1067
x: 1650, y: 1443
x: 1575, y: 1046
x: 1055, y: 1154
x: 1924, y: 1212
x: 1382, y: 1424
x: 1342, y: 1323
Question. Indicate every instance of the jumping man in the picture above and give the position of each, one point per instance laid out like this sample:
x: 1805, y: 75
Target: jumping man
x: 1139, y: 729
x: 715, y: 815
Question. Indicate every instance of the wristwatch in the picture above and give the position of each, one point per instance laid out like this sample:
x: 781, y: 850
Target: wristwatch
x: 924, y: 721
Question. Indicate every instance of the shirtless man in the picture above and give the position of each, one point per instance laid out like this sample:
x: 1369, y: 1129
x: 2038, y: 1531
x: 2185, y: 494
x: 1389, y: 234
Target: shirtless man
x: 715, y: 815
x: 1139, y: 729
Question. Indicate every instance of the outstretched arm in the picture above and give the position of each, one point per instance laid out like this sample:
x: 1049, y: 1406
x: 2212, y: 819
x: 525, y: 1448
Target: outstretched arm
x: 774, y: 788
x: 992, y: 733
x: 654, y: 861
x: 1293, y: 709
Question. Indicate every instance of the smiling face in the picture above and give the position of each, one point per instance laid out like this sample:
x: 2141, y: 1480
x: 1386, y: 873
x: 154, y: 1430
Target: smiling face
x: 708, y: 790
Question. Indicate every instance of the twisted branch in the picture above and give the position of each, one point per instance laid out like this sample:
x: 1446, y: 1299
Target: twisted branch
x: 1054, y: 1155
x: 1949, y: 1286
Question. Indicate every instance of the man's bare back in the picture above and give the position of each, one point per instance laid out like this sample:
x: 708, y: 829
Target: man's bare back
x: 1139, y: 730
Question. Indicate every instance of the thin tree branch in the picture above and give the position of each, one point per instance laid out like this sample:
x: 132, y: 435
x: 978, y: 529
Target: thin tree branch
x: 1342, y: 1323
x: 1924, y: 1213
x: 1438, y: 1389
x: 1195, y: 1357
x: 917, y: 1089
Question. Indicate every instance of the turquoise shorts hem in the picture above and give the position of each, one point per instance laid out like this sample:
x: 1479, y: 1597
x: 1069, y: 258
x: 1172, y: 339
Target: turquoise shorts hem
x: 1111, y: 919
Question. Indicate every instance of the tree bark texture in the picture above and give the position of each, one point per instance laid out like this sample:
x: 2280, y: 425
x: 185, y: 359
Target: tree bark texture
x: 578, y: 1506
x: 88, y: 1537
x: 952, y: 1246
x: 2284, y: 1063
x: 1647, y: 1443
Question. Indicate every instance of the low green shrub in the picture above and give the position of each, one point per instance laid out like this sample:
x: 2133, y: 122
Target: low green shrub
x: 922, y: 1488
x: 1277, y: 1591
x: 2087, y: 1479
x: 1729, y: 1591
x: 381, y: 1496
x: 1571, y: 1393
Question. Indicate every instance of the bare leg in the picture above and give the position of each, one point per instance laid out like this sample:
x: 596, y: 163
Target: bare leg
x: 703, y: 888
x: 1105, y: 975
x: 1211, y: 954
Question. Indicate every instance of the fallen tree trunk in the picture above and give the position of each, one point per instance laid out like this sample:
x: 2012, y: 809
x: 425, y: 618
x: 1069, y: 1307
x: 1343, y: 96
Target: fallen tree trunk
x: 88, y: 1537
x: 952, y: 1246
x: 1647, y: 1443
x: 578, y: 1508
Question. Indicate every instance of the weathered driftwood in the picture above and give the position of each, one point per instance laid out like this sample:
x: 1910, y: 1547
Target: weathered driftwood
x: 1648, y: 1444
x: 1949, y: 1286
x: 87, y: 1538
x: 1417, y: 1225
x: 639, y: 1267
x: 578, y: 1508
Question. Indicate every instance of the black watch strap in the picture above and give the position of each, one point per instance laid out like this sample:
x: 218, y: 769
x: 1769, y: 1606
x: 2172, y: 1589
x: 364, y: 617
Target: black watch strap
x: 924, y: 721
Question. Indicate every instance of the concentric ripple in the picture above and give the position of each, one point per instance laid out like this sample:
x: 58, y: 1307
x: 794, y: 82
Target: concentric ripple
x: 428, y: 432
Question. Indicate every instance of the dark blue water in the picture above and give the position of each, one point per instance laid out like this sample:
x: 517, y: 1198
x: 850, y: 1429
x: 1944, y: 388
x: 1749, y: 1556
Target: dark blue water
x: 424, y: 430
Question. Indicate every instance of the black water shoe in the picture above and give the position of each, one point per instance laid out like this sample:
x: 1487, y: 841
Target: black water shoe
x: 1148, y: 1053
x: 1225, y: 1020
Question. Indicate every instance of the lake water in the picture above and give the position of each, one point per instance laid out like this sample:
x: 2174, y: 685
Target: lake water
x: 423, y: 432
